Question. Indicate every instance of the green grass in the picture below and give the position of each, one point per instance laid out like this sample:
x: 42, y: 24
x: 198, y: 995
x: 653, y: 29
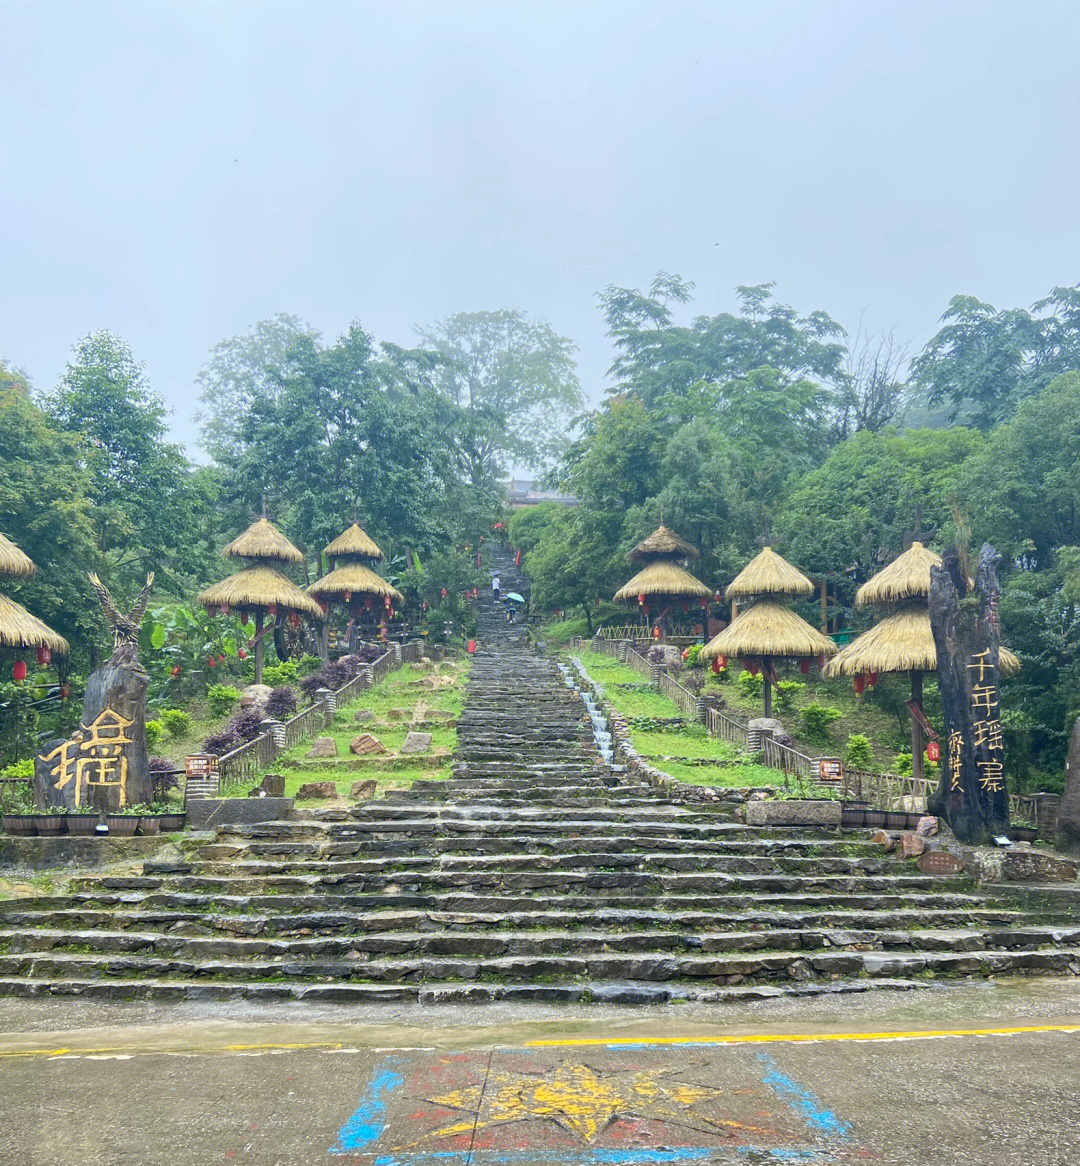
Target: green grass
x: 386, y: 779
x: 640, y: 700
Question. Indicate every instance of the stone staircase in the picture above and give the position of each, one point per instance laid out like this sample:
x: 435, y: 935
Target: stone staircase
x: 534, y: 873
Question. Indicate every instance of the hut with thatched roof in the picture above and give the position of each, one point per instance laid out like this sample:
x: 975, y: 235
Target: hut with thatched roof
x: 19, y: 630
x: 353, y: 582
x: 663, y: 579
x: 903, y: 640
x: 768, y: 629
x: 260, y: 588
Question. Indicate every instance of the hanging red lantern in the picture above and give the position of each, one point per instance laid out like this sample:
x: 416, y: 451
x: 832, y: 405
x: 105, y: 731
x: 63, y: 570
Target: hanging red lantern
x: 18, y: 673
x: 444, y: 593
x: 65, y: 691
x: 933, y: 751
x: 221, y: 659
x: 367, y: 602
x: 271, y: 609
x: 423, y: 606
x: 224, y: 609
x: 821, y: 661
x: 596, y: 601
x: 470, y: 647
x: 641, y: 599
x: 723, y: 661
x: 517, y: 559
x: 44, y: 655
x: 244, y: 619
x: 860, y: 684
x: 478, y: 560
x: 704, y: 603
x: 656, y: 633
x: 176, y: 670
x: 716, y: 665
x: 871, y: 678
x: 210, y: 662
x: 241, y: 653
x: 753, y: 667
x: 686, y: 653
x: 716, y: 597
x: 348, y: 597
x: 386, y: 601
x: 804, y: 665
x: 324, y: 606
x: 294, y: 619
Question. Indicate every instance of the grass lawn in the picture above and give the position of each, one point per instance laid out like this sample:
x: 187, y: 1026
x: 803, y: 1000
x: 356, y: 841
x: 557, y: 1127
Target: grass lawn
x: 670, y: 749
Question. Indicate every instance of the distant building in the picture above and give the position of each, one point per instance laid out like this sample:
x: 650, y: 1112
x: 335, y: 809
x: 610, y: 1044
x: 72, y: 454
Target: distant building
x: 523, y: 492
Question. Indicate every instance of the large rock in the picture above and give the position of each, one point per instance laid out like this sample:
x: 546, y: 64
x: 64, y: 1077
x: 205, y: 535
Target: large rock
x: 772, y: 726
x: 323, y: 747
x: 362, y: 790
x: 1023, y: 865
x: 316, y: 789
x: 1068, y: 818
x: 271, y: 786
x: 364, y: 716
x: 416, y: 743
x: 255, y: 696
x: 665, y: 654
x: 399, y: 714
x: 365, y: 744
x: 793, y: 812
x: 912, y: 845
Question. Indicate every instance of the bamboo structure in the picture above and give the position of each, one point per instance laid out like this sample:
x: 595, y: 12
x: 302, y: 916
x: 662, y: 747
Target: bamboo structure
x: 352, y: 582
x: 663, y: 579
x: 19, y: 630
x: 260, y: 587
x: 768, y: 629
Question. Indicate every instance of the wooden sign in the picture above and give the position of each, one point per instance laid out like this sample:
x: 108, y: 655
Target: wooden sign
x: 203, y: 780
x: 830, y: 769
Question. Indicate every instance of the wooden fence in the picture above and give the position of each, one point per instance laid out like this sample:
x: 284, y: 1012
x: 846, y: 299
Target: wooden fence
x: 688, y: 701
x: 788, y: 760
x: 245, y: 761
x: 721, y: 725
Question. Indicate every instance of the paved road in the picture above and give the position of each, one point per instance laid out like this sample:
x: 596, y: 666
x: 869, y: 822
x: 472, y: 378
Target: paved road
x: 985, y: 1075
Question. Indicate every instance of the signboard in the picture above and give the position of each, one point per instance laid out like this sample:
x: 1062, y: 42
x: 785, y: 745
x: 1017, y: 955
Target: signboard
x: 830, y: 769
x: 203, y: 780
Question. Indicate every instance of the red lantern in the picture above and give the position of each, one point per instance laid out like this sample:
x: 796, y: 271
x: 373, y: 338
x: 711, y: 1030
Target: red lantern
x: 423, y: 606
x: 517, y: 559
x: 325, y: 607
x: 821, y: 661
x: 685, y: 606
x: 723, y: 661
x: 686, y: 653
x: 294, y: 619
x: 241, y: 653
x: 753, y: 667
x: 704, y: 603
x: 716, y: 665
x: 271, y: 609
x: 367, y: 602
x: 211, y: 662
x: 596, y: 601
x: 871, y: 679
x: 656, y: 633
x: 386, y: 601
x: 471, y: 647
x: 221, y: 659
x: 348, y: 597
x: 244, y: 619
x: 804, y: 665
x: 444, y: 593
x: 933, y: 751
x: 65, y: 691
x: 18, y: 673
x: 860, y: 684
x: 478, y: 560
x: 44, y: 654
x: 176, y: 670
x: 224, y: 609
x: 641, y: 598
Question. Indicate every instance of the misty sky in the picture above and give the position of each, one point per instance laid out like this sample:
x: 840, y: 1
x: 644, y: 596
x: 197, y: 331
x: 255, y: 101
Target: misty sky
x: 177, y: 171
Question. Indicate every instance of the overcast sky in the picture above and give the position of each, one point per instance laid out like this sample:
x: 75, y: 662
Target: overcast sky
x: 177, y: 171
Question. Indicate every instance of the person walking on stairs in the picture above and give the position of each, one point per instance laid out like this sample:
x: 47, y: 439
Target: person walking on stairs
x: 495, y: 584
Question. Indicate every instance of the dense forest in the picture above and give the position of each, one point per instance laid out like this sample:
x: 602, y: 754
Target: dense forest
x: 734, y: 424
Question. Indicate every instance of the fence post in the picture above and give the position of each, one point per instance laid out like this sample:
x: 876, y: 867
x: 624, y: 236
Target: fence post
x: 329, y: 701
x: 397, y: 654
x: 276, y: 729
x: 657, y: 669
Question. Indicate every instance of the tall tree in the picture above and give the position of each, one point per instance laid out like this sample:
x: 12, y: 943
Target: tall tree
x: 514, y: 380
x: 240, y: 371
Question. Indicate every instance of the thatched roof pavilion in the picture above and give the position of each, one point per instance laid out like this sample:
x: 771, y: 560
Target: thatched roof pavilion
x: 903, y: 640
x: 260, y: 587
x: 351, y: 582
x: 19, y: 630
x: 768, y: 629
x: 663, y: 580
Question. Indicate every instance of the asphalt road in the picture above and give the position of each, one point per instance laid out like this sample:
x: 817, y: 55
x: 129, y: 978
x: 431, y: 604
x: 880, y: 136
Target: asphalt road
x: 984, y: 1075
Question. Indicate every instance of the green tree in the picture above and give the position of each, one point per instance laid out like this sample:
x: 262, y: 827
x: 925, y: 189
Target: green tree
x: 514, y: 380
x: 575, y: 564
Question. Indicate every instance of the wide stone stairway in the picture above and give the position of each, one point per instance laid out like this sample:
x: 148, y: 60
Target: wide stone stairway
x: 534, y: 873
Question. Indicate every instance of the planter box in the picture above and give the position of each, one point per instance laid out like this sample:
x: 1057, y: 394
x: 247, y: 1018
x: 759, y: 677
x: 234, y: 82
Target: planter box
x: 793, y: 812
x: 852, y: 814
x: 895, y: 820
x: 170, y: 823
x: 874, y: 818
x: 81, y: 824
x: 149, y: 824
x: 49, y: 825
x: 22, y: 824
x: 122, y: 825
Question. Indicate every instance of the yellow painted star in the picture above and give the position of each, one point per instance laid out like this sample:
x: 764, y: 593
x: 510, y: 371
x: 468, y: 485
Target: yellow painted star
x: 575, y: 1097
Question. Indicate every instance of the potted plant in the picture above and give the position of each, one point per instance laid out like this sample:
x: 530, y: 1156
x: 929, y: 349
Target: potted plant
x: 874, y: 817
x: 895, y: 819
x: 49, y: 823
x: 149, y: 821
x: 124, y: 823
x: 171, y: 819
x: 81, y: 822
x: 18, y: 810
x: 853, y: 813
x: 1024, y: 833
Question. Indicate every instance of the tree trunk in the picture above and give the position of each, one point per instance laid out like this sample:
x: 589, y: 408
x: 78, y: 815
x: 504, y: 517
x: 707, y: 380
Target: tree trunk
x: 1068, y: 822
x: 259, y: 637
x: 588, y: 618
x: 918, y: 744
x: 971, y: 796
x: 768, y: 685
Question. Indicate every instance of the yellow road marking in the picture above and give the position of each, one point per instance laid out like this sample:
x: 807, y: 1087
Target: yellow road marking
x: 268, y: 1046
x: 797, y: 1037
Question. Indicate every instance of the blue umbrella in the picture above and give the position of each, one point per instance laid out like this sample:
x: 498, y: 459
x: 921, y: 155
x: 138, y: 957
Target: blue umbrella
x: 513, y: 595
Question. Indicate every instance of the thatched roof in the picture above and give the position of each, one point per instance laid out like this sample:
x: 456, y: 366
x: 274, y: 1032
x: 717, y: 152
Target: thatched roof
x: 354, y: 578
x: 901, y: 642
x: 259, y: 586
x: 662, y: 578
x: 907, y: 577
x: 768, y: 574
x: 19, y: 629
x: 262, y: 540
x: 353, y: 543
x: 14, y: 562
x: 768, y: 628
x: 661, y: 544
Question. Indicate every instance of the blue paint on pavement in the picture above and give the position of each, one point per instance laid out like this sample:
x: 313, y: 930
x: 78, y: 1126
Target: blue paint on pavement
x: 368, y: 1121
x: 803, y: 1101
x: 636, y: 1157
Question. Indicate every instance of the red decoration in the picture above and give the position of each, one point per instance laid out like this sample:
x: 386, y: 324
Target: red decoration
x: 723, y: 661
x: 686, y: 653
x: 348, y: 597
x: 294, y: 619
x: 871, y: 679
x: 716, y: 664
x: 656, y: 633
x: 860, y: 685
x: 211, y: 662
x: 244, y: 619
x: 444, y: 593
x: 221, y: 659
x: 224, y: 609
x: 804, y: 665
x: 517, y: 559
x: 478, y: 560
x: 65, y: 691
x: 704, y: 603
x: 271, y: 609
x: 641, y: 598
x: 44, y: 654
x: 325, y: 607
x: 386, y: 601
x: 596, y: 601
x: 933, y: 751
x: 753, y: 667
x: 241, y: 653
x: 176, y: 670
x: 423, y: 606
x: 471, y: 647
x: 685, y: 606
x: 18, y: 673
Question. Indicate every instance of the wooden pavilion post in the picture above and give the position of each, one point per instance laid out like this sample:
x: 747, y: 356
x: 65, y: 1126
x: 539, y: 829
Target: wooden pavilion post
x: 259, y: 638
x: 918, y: 741
x: 766, y: 664
x: 823, y: 599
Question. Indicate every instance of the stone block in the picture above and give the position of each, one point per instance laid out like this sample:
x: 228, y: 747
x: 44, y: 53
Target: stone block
x: 912, y: 845
x: 366, y: 744
x: 1022, y: 864
x: 883, y: 839
x: 271, y: 786
x: 364, y: 716
x: 323, y: 747
x: 255, y: 696
x: 316, y: 789
x: 416, y: 743
x: 363, y: 790
x: 203, y: 813
x: 928, y: 826
x: 939, y: 862
x: 399, y: 714
x: 793, y: 812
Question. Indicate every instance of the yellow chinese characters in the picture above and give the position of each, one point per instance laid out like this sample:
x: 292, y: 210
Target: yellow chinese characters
x: 93, y: 758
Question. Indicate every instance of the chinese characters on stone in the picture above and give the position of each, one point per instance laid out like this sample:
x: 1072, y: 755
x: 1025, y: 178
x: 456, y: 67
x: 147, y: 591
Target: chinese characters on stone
x: 986, y: 723
x: 93, y: 758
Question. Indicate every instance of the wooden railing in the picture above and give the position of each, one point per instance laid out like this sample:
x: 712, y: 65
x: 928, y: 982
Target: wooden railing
x: 629, y: 631
x: 721, y: 725
x: 638, y: 662
x: 243, y: 762
x: 783, y: 757
x: 688, y: 701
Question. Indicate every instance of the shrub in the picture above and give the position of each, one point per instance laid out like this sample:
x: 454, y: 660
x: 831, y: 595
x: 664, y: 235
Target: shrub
x: 816, y: 719
x: 221, y: 698
x: 281, y: 703
x: 155, y: 730
x: 22, y: 770
x: 903, y: 764
x: 247, y: 724
x: 751, y: 685
x: 859, y: 752
x: 694, y: 680
x: 278, y: 674
x: 693, y: 656
x: 164, y: 777
x: 220, y: 743
x: 786, y: 691
x: 177, y: 722
x: 308, y: 664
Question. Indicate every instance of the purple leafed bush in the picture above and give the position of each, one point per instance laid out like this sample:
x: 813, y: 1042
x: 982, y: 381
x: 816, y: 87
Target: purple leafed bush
x: 281, y: 703
x: 220, y: 743
x: 247, y: 724
x: 164, y: 775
